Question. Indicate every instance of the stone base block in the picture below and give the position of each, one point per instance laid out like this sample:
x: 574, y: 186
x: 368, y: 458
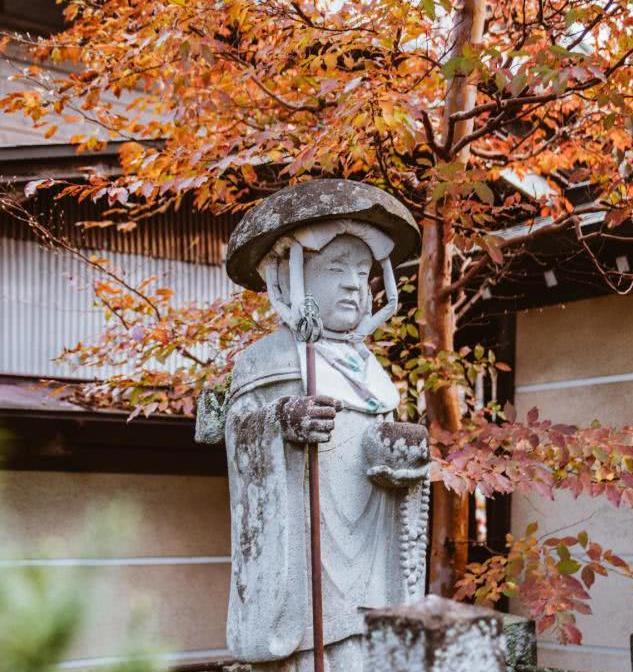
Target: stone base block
x: 434, y: 635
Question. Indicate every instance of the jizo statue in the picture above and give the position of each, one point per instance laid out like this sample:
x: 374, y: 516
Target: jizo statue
x: 324, y: 239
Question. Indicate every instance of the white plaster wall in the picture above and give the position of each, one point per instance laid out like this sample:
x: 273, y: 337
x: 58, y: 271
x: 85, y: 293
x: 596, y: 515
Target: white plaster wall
x: 174, y: 568
x: 576, y: 364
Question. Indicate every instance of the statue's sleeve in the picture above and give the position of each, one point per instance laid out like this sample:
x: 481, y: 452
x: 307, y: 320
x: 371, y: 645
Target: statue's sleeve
x: 268, y: 599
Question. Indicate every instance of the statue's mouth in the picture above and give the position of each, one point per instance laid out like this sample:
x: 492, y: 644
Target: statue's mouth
x: 347, y: 304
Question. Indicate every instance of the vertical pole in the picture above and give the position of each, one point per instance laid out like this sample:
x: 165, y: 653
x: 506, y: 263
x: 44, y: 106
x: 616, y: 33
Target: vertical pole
x: 315, y: 525
x: 449, y: 536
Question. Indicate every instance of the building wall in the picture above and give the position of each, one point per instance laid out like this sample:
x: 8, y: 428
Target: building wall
x: 47, y: 302
x: 172, y: 566
x: 18, y: 130
x: 575, y: 363
x: 175, y: 569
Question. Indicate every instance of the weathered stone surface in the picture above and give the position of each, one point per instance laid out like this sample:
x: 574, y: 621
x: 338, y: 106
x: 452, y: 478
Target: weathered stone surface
x: 520, y: 634
x: 434, y: 635
x: 532, y: 668
x: 210, y: 418
x: 373, y: 523
x: 316, y: 201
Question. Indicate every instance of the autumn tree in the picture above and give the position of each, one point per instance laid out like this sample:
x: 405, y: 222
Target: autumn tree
x: 430, y: 100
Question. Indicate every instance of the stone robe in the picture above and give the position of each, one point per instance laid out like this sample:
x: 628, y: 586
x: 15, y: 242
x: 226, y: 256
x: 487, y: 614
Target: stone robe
x: 270, y: 615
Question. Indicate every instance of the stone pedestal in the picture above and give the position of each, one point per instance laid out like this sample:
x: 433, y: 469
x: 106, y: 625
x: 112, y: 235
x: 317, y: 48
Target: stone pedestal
x: 434, y: 635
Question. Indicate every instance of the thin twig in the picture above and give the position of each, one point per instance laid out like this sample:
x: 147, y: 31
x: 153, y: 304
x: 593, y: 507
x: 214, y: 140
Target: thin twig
x: 559, y: 223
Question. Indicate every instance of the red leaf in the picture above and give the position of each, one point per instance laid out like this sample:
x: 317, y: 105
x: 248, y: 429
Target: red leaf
x: 564, y: 429
x: 582, y: 608
x: 34, y: 185
x: 614, y: 494
x: 588, y: 576
x: 493, y: 249
x: 572, y: 634
x: 544, y: 623
x: 532, y: 416
x: 134, y: 413
x: 599, y: 569
x: 617, y: 561
x: 510, y: 412
x: 187, y: 405
x: 616, y: 217
x: 594, y: 551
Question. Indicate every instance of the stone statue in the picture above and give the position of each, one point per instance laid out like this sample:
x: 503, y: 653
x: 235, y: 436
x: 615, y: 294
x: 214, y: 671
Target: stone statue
x: 324, y: 238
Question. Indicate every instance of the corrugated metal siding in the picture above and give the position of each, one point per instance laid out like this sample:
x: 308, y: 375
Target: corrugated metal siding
x: 46, y: 302
x: 186, y: 234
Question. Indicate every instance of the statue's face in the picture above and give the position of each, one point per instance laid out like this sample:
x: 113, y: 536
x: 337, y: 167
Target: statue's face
x: 338, y: 278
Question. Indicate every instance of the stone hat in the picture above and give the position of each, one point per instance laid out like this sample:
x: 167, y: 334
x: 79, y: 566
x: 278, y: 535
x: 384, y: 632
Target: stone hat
x: 311, y: 202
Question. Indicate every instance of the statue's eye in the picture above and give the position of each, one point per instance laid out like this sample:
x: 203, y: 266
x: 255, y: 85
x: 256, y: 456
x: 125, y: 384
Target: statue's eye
x: 335, y: 269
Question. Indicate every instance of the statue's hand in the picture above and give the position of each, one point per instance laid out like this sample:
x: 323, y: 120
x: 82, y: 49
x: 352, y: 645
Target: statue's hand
x: 307, y: 419
x: 397, y: 454
x: 386, y: 477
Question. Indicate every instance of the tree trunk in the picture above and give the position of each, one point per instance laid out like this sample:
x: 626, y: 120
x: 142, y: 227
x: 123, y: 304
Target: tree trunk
x: 449, y: 548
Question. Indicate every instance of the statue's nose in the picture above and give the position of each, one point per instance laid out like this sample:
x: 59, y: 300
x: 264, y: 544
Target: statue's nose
x: 351, y: 280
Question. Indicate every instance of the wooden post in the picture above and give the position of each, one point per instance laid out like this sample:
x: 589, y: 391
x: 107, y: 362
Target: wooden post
x: 449, y: 535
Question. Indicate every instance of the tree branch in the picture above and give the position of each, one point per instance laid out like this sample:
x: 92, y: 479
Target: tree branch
x: 438, y: 150
x: 559, y: 223
x: 18, y: 212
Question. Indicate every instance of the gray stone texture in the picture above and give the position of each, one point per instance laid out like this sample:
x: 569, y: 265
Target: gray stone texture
x: 402, y: 642
x: 210, y: 418
x: 315, y: 201
x: 434, y: 635
x: 520, y: 634
x: 319, y: 242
